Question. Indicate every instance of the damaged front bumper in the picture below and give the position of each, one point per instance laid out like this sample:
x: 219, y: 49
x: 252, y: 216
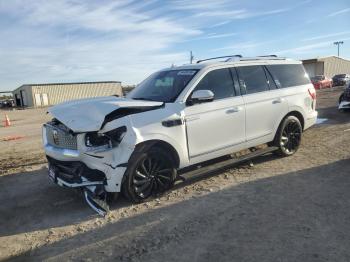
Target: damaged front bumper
x: 76, y: 174
x: 98, y: 174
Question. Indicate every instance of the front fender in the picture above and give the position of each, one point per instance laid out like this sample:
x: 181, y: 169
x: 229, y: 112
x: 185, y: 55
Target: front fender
x: 180, y: 149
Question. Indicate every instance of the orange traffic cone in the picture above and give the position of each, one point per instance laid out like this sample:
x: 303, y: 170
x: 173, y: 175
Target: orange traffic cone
x: 7, y: 121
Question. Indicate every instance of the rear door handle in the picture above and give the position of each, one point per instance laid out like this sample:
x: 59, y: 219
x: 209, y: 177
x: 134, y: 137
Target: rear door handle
x: 278, y: 101
x: 192, y: 118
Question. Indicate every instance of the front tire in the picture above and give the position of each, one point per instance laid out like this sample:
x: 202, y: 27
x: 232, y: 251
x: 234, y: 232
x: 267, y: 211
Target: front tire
x: 150, y: 172
x: 288, y: 137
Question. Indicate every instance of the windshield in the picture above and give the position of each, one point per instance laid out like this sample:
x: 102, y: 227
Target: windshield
x: 164, y: 86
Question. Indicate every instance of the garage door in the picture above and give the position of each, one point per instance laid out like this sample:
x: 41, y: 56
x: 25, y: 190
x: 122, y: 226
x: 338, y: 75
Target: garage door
x: 37, y: 100
x: 45, y: 100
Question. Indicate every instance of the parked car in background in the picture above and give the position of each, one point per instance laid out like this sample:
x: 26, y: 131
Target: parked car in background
x: 8, y: 103
x: 341, y: 80
x: 344, y: 99
x: 321, y: 81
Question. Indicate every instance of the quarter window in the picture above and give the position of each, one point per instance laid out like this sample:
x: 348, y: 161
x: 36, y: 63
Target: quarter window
x: 271, y: 82
x: 289, y: 75
x: 219, y: 82
x: 252, y: 78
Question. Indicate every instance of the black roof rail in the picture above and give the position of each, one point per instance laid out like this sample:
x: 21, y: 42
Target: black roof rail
x: 267, y: 56
x: 231, y: 58
x: 218, y: 57
x: 262, y: 58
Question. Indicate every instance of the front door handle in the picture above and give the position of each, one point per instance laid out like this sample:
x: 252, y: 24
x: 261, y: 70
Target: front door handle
x: 234, y: 110
x: 192, y: 118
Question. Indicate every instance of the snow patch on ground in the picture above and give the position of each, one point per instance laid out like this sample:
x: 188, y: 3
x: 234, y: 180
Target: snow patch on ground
x: 321, y: 120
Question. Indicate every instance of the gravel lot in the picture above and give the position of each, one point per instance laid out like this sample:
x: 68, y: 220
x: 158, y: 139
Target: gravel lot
x: 279, y: 209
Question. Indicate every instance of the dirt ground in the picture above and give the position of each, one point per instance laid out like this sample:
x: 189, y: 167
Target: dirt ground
x: 279, y: 209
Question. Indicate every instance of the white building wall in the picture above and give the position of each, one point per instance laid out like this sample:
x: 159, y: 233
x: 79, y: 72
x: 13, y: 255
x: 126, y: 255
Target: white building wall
x: 334, y: 65
x: 25, y: 94
x: 52, y: 94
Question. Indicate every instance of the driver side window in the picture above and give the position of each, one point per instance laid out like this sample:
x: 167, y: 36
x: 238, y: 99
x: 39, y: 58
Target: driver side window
x: 219, y: 82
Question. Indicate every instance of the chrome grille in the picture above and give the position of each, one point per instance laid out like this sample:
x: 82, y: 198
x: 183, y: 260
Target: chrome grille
x: 60, y: 138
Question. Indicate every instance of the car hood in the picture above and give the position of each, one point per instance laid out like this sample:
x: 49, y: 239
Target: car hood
x: 87, y: 115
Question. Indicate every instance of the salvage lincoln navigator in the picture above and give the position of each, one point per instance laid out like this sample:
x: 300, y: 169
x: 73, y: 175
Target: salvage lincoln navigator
x: 176, y: 119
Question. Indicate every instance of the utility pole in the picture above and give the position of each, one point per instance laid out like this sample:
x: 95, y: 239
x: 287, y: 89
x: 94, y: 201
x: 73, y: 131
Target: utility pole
x: 338, y: 43
x: 191, y: 57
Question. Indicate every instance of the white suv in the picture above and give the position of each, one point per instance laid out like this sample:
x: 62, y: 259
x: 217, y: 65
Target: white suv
x: 176, y: 119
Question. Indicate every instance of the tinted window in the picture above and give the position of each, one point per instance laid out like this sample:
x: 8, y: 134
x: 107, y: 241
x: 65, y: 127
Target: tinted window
x: 289, y: 75
x: 271, y: 82
x: 164, y: 86
x: 219, y: 82
x: 252, y: 78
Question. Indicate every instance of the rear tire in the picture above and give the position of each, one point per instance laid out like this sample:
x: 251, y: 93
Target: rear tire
x: 150, y: 172
x: 288, y: 136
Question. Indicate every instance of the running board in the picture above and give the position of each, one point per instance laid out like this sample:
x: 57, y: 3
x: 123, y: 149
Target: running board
x: 201, y: 170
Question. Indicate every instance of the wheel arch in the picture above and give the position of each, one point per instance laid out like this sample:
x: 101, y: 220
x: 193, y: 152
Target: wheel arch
x: 146, y: 145
x: 298, y: 115
x: 295, y: 113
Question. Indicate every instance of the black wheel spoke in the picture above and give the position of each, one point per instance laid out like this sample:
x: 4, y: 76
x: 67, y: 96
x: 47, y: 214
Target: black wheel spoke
x: 160, y: 183
x: 155, y: 166
x: 144, y: 168
x: 140, y: 182
x: 162, y: 171
x: 141, y: 188
x: 293, y: 143
x: 164, y: 177
x: 290, y: 137
x: 139, y: 174
x: 148, y: 191
x: 152, y: 175
x: 149, y: 165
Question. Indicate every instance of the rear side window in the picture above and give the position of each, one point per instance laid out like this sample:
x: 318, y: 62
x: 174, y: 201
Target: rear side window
x: 288, y: 75
x: 252, y: 78
x: 219, y: 82
x: 271, y: 82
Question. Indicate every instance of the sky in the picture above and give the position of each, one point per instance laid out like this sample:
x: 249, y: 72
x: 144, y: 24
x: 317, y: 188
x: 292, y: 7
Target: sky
x: 45, y: 41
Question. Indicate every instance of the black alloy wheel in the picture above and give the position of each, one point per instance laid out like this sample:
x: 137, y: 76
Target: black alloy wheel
x: 150, y: 174
x: 291, y: 137
x: 288, y: 137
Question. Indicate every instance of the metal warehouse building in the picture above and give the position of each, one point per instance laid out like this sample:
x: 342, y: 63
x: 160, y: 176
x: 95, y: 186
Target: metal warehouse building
x: 328, y: 66
x: 37, y: 95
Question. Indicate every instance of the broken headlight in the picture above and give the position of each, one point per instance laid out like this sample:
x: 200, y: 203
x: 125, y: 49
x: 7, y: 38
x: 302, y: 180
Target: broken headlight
x: 105, y: 141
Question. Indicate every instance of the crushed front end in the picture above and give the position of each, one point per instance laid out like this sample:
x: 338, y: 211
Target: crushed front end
x: 89, y: 142
x: 93, y: 162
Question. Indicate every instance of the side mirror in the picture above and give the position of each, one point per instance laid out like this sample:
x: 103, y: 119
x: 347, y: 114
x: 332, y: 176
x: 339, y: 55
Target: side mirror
x: 201, y: 96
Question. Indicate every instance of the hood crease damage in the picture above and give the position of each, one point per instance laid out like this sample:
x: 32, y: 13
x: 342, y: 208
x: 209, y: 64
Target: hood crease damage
x: 88, y: 115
